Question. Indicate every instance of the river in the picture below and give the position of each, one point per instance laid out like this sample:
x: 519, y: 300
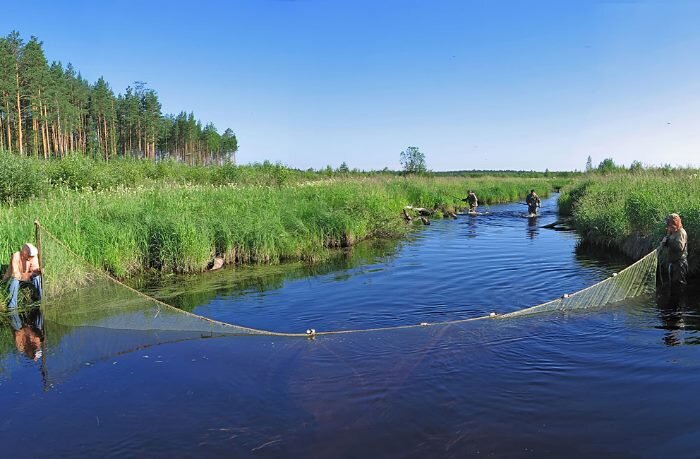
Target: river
x: 614, y: 381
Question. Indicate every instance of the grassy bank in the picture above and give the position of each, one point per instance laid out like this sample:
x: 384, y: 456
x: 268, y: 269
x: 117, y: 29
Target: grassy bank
x: 627, y: 211
x: 182, y: 227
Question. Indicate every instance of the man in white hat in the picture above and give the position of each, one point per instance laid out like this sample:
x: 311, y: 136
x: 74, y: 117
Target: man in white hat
x: 24, y: 269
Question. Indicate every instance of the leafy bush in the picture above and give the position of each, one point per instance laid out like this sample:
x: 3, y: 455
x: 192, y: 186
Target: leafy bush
x: 20, y: 179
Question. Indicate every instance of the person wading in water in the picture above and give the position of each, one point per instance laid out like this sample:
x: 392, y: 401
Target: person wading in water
x: 472, y: 200
x: 24, y: 270
x: 533, y: 202
x: 672, y: 268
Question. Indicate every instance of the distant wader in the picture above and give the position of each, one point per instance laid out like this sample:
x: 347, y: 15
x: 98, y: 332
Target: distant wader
x: 473, y: 203
x: 533, y: 202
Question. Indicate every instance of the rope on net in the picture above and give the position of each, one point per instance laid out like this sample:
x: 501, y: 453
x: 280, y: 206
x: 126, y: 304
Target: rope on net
x: 143, y: 312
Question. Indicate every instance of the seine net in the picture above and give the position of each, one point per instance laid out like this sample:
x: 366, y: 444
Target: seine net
x: 77, y: 294
x: 635, y: 280
x: 89, y: 316
x: 101, y: 301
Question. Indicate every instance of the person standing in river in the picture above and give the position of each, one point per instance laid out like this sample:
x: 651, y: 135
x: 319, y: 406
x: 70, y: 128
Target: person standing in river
x: 472, y: 201
x: 24, y: 270
x: 533, y: 202
x: 672, y: 268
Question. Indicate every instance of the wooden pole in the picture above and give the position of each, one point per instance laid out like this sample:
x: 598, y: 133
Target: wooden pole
x: 37, y: 237
x: 44, y: 349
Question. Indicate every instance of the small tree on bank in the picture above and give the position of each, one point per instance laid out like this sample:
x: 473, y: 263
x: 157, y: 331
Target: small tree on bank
x: 636, y: 167
x: 607, y: 166
x: 413, y: 161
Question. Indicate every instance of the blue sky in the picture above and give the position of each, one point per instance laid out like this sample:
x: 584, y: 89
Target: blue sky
x: 473, y: 84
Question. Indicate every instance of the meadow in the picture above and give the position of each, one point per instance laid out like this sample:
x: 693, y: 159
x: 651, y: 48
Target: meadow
x: 172, y: 224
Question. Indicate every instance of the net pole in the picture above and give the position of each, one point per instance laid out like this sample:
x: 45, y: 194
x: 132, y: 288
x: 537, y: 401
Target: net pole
x: 37, y: 238
x: 44, y: 350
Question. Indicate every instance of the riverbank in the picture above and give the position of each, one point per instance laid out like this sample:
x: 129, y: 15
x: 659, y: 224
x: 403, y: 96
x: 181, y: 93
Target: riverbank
x: 181, y: 228
x: 627, y: 211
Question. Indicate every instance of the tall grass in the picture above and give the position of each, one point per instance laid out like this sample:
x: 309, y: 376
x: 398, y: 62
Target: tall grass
x: 181, y: 228
x: 609, y: 210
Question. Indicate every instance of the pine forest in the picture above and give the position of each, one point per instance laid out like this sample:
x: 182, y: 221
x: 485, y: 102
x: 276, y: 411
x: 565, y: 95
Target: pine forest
x: 50, y: 111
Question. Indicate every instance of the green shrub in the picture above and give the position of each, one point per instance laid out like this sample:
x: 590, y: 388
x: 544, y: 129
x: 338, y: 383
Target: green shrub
x: 20, y: 179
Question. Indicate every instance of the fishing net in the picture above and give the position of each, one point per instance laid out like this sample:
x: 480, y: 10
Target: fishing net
x: 102, y: 301
x: 89, y: 316
x: 635, y: 280
x: 68, y: 349
x: 77, y: 294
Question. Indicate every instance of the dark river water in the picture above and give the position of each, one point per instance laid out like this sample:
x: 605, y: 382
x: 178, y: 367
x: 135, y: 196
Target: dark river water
x: 617, y: 381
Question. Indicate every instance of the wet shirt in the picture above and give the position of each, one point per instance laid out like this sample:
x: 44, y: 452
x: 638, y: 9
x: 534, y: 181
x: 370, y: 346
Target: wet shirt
x: 677, y: 246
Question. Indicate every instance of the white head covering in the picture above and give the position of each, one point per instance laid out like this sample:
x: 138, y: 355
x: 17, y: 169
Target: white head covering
x: 31, y: 249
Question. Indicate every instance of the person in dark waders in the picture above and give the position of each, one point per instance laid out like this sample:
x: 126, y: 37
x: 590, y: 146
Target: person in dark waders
x: 533, y: 203
x: 672, y: 268
x: 472, y: 201
x: 671, y: 272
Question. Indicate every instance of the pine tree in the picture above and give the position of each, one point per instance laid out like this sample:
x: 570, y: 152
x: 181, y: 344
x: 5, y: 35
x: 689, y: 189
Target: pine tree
x: 151, y: 117
x: 102, y: 112
x: 229, y: 145
x: 7, y: 88
x: 34, y: 78
x: 15, y: 47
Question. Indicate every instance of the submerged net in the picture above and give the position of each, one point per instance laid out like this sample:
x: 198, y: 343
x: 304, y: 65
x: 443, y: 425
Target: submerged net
x: 635, y: 280
x: 102, y: 301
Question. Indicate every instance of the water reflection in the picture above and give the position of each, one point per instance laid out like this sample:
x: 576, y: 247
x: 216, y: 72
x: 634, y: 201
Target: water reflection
x: 25, y: 329
x: 532, y: 227
x: 472, y: 223
x: 189, y: 291
x: 679, y: 313
x: 593, y: 256
x: 23, y: 334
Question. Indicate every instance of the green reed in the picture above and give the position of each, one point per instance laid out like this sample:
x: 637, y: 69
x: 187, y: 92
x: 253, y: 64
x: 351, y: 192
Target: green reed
x: 181, y: 228
x: 608, y: 210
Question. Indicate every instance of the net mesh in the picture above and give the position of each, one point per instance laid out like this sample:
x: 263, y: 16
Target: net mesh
x: 79, y: 294
x: 635, y: 280
x: 97, y: 299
